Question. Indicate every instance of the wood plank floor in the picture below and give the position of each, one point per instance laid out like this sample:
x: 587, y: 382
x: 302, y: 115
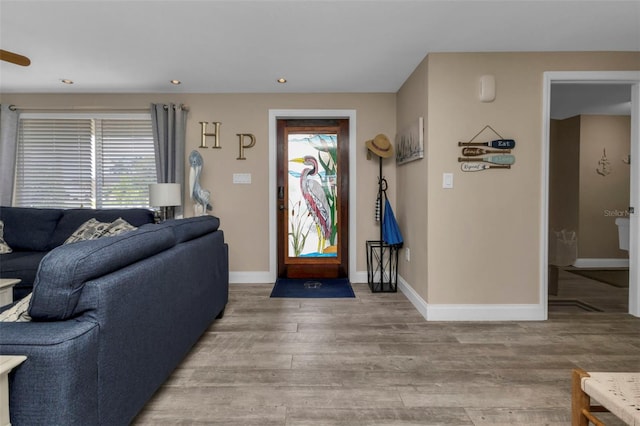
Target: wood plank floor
x: 374, y: 360
x: 594, y: 293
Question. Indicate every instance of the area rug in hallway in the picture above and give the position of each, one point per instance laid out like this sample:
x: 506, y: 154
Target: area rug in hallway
x: 615, y: 277
x: 312, y: 288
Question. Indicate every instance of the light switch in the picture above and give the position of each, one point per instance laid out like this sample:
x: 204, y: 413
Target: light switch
x: 447, y: 180
x: 244, y: 178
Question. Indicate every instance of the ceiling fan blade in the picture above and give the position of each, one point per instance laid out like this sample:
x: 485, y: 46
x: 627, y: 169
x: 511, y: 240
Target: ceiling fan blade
x: 14, y: 58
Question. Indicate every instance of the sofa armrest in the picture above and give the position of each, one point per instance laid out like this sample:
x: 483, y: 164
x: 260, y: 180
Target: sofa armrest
x: 58, y: 383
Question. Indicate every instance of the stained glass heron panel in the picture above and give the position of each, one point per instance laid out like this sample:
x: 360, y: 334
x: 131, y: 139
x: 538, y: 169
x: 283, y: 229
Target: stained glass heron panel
x: 312, y: 196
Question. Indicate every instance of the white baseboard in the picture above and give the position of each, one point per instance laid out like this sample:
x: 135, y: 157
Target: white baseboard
x: 250, y: 277
x: 601, y: 263
x: 257, y: 277
x: 430, y: 312
x: 503, y: 312
x: 359, y: 277
x: 415, y: 299
x: 471, y: 312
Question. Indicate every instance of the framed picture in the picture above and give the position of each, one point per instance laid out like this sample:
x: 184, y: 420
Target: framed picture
x: 410, y: 143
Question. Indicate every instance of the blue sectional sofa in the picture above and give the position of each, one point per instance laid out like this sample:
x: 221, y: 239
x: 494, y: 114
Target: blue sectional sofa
x: 33, y: 232
x: 111, y: 319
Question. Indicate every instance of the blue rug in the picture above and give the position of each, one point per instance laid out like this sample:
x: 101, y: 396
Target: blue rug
x: 313, y: 288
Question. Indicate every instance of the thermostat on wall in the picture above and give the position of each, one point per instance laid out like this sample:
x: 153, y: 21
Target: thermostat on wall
x: 242, y: 178
x: 487, y: 88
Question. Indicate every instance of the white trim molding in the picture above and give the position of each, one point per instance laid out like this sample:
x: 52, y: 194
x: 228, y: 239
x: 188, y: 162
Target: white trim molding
x: 593, y: 77
x: 258, y: 277
x: 359, y: 277
x: 601, y: 263
x: 472, y: 312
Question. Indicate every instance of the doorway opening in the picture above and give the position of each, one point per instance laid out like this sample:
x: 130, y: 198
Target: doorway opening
x: 274, y: 116
x: 313, y: 198
x: 628, y: 82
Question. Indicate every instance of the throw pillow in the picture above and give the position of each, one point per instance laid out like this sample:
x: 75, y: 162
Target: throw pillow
x: 92, y: 229
x: 117, y: 227
x: 18, y: 312
x: 4, y: 247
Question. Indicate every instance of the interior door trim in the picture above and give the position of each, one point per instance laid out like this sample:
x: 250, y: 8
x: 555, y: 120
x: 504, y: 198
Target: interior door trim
x: 274, y: 115
x: 587, y: 77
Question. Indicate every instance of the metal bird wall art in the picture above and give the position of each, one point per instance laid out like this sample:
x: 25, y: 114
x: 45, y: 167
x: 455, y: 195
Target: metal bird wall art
x: 198, y: 194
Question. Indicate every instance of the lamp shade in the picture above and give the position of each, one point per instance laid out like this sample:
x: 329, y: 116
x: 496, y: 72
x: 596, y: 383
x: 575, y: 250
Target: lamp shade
x: 165, y: 194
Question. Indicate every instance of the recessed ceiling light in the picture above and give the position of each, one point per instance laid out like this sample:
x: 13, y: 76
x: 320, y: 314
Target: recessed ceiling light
x: 175, y: 82
x: 66, y: 81
x: 281, y: 80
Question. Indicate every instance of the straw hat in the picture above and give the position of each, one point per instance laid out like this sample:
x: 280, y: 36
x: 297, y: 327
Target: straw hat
x: 380, y: 146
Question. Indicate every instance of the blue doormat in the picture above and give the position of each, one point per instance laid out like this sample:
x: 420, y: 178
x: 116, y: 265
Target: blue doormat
x: 312, y: 287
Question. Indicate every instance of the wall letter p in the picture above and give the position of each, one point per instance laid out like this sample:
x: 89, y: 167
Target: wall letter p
x: 242, y: 147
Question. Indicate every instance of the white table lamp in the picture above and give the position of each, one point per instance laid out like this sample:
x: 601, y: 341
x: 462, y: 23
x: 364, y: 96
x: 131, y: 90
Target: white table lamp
x: 165, y: 196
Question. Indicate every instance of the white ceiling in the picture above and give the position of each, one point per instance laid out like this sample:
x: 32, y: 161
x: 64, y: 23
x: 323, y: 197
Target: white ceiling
x: 568, y: 100
x: 240, y: 46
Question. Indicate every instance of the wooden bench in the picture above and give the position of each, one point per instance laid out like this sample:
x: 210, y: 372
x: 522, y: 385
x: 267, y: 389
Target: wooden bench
x: 618, y: 393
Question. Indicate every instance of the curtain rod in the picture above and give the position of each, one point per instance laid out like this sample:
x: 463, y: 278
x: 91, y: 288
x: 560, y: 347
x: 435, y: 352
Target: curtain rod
x: 85, y: 108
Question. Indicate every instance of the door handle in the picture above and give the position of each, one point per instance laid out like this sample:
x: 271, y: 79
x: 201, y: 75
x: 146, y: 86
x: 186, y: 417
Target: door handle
x: 281, y: 193
x: 281, y: 207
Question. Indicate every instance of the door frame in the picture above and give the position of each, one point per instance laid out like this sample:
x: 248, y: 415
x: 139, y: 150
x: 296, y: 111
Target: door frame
x: 274, y: 115
x: 598, y: 77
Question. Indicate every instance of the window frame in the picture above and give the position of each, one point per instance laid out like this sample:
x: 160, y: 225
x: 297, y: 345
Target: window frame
x: 93, y: 116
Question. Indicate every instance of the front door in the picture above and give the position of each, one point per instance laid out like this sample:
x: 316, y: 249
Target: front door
x: 313, y: 198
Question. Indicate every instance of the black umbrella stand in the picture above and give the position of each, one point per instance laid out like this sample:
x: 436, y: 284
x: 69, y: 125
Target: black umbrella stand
x: 382, y: 258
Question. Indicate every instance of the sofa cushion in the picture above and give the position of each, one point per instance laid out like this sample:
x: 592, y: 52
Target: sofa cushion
x: 18, y: 312
x: 90, y: 230
x: 29, y: 228
x: 4, y: 247
x: 93, y: 229
x: 191, y: 228
x: 64, y: 271
x: 72, y: 218
x: 117, y: 227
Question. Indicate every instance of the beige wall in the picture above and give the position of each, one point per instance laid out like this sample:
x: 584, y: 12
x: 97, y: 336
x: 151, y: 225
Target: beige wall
x: 483, y: 235
x: 477, y: 243
x: 602, y: 197
x: 412, y: 185
x: 580, y: 199
x: 564, y: 182
x: 243, y: 209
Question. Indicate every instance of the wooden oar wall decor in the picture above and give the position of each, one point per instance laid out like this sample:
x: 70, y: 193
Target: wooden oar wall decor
x: 496, y: 155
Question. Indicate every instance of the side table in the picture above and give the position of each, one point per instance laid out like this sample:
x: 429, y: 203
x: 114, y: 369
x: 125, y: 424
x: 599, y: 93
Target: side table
x: 6, y: 290
x: 7, y: 363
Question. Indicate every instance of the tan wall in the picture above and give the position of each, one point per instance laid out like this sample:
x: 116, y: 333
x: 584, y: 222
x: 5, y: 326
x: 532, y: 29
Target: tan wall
x: 564, y: 178
x: 243, y: 209
x: 602, y: 198
x: 411, y: 185
x: 483, y: 236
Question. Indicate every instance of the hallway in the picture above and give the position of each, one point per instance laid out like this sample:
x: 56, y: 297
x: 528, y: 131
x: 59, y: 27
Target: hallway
x: 573, y: 287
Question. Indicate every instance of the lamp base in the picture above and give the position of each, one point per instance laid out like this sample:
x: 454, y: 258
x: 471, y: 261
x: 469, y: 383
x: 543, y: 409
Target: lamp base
x: 166, y: 213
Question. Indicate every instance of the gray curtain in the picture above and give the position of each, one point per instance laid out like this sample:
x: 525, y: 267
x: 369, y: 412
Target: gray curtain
x: 169, y: 135
x: 8, y: 142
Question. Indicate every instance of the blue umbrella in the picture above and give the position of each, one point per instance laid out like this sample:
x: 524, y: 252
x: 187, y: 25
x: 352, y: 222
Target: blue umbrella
x: 390, y: 230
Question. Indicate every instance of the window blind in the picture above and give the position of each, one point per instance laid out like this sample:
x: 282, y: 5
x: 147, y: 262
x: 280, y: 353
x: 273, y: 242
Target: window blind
x: 125, y: 163
x: 84, y: 162
x: 54, y: 164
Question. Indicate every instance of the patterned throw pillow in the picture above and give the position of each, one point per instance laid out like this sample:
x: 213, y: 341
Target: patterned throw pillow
x: 90, y: 230
x: 18, y: 312
x: 117, y: 227
x: 4, y: 247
